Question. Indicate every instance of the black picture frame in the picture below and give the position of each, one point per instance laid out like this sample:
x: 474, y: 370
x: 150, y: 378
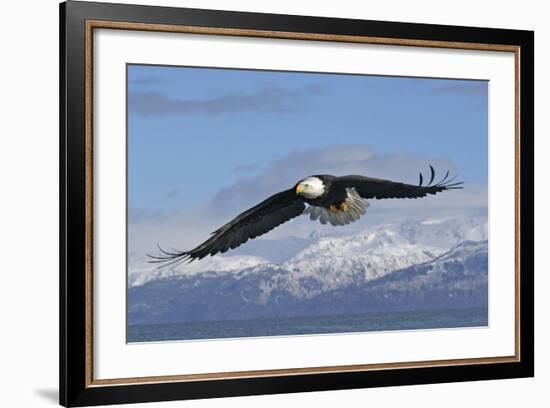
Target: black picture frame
x: 76, y: 389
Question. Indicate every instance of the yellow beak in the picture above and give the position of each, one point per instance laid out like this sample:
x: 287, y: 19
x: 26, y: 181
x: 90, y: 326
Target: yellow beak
x: 299, y: 188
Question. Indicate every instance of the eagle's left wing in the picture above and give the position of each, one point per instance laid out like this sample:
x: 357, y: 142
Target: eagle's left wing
x: 368, y: 187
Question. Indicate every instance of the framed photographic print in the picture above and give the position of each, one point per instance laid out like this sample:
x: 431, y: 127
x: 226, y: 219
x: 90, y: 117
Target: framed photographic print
x: 256, y: 203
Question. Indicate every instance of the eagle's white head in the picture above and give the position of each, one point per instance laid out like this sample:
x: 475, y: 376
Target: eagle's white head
x: 310, y: 188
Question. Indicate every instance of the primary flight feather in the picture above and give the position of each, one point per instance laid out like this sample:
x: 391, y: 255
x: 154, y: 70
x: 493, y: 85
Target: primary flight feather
x: 330, y: 199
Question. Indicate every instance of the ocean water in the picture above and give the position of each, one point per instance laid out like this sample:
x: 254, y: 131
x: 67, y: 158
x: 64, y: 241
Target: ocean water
x: 376, y: 321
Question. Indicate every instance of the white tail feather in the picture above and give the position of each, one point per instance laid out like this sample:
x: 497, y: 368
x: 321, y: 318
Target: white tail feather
x: 356, y: 207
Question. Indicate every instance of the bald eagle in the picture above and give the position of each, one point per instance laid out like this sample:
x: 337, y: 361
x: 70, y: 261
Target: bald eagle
x: 330, y: 199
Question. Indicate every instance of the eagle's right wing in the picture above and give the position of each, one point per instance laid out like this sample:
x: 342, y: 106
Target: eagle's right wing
x: 258, y: 220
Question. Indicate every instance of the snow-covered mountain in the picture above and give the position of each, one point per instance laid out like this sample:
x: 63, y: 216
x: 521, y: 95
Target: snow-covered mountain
x: 140, y: 271
x: 409, y: 265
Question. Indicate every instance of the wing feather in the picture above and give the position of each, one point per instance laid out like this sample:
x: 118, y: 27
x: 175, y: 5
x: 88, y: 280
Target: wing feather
x: 368, y: 187
x: 262, y: 218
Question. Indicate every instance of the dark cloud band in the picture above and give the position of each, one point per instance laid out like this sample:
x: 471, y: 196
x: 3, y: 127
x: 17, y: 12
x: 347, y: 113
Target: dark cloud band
x: 268, y: 100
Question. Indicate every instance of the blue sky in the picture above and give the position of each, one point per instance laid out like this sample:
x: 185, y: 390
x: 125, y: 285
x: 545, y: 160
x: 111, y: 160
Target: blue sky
x: 213, y: 141
x: 203, y: 149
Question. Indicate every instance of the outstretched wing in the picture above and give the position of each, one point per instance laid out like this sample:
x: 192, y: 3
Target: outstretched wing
x: 258, y: 220
x: 368, y: 187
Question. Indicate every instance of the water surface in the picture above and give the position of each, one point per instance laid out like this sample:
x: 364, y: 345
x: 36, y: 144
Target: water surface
x: 375, y: 321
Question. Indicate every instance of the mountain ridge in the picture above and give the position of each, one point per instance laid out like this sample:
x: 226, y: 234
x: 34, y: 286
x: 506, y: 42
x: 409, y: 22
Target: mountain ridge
x: 391, y: 267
